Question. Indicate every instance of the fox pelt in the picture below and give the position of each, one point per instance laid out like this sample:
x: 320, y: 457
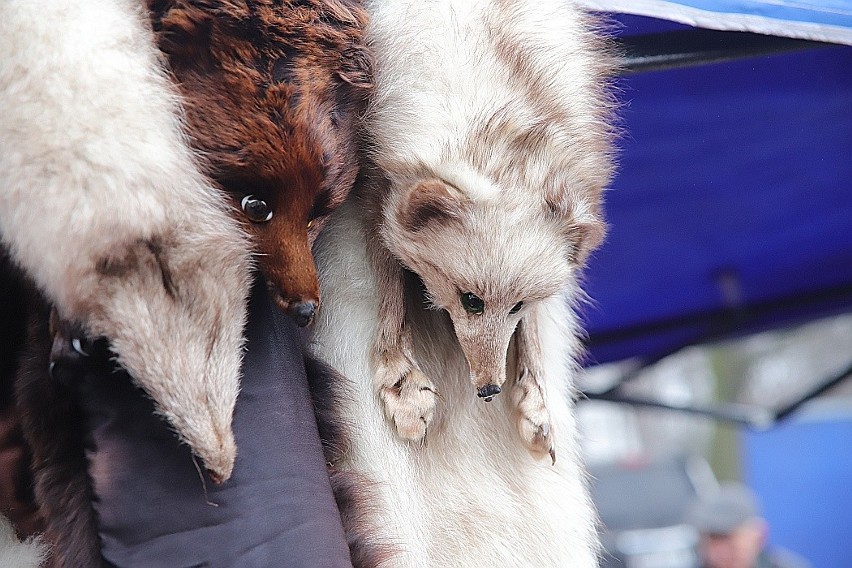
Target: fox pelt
x: 132, y: 235
x: 271, y: 90
x: 103, y: 206
x: 16, y: 554
x: 452, y: 273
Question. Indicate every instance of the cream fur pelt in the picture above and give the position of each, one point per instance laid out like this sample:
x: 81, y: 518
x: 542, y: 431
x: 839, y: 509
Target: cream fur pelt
x: 103, y: 206
x: 17, y: 554
x: 488, y: 146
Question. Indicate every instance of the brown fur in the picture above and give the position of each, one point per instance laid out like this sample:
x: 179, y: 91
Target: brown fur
x: 271, y: 92
x: 53, y: 426
x: 17, y: 502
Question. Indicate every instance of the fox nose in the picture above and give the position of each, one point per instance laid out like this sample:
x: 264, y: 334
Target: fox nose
x: 302, y: 312
x: 488, y: 392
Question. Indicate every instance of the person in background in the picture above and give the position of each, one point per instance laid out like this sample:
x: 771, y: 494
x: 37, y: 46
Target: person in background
x: 733, y: 532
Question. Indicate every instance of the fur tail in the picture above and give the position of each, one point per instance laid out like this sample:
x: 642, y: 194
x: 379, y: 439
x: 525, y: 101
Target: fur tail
x: 103, y: 206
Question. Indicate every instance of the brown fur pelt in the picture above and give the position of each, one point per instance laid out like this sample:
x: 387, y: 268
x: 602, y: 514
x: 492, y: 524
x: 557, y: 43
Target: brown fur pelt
x: 271, y: 90
x: 54, y: 428
x: 352, y: 492
x: 17, y: 501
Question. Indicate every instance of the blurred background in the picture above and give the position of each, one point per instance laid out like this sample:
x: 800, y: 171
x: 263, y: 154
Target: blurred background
x: 720, y: 314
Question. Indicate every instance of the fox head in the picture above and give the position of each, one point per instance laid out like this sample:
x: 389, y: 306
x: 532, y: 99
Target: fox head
x: 271, y: 92
x: 487, y: 260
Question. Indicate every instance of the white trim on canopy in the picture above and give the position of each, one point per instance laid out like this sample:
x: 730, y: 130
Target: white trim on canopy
x: 827, y: 20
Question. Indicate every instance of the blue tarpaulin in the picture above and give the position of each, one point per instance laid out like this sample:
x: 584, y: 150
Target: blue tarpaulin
x: 732, y: 208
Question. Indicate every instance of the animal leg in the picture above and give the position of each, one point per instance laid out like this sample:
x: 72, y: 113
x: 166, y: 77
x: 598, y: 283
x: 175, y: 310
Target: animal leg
x: 531, y: 414
x: 408, y: 396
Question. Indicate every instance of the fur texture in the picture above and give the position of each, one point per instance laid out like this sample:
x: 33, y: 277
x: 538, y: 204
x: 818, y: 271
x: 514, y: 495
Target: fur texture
x: 488, y: 149
x: 17, y: 554
x: 54, y: 428
x: 127, y: 239
x: 17, y: 501
x: 353, y: 492
x: 271, y: 91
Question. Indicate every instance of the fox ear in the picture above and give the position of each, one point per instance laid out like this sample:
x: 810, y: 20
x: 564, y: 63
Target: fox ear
x: 357, y: 68
x: 585, y: 227
x: 183, y: 32
x: 586, y: 236
x: 431, y: 202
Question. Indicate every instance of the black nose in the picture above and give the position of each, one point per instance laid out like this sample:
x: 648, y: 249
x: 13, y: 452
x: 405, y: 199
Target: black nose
x: 302, y: 312
x: 488, y: 391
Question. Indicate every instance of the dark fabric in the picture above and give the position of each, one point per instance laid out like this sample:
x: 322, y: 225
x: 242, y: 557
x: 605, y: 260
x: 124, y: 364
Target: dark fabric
x: 277, y: 509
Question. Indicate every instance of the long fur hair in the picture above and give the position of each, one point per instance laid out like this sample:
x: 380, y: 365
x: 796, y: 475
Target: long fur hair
x: 487, y: 149
x: 16, y: 554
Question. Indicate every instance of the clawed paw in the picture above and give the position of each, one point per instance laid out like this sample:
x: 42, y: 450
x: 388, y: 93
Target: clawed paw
x: 533, y: 419
x: 410, y: 404
x: 537, y: 437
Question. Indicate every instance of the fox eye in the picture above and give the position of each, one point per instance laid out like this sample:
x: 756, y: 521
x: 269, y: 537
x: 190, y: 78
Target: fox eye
x: 516, y: 308
x: 472, y: 303
x: 256, y: 209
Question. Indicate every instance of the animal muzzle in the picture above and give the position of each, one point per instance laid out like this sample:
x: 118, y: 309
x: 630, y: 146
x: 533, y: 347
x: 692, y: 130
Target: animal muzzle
x: 302, y: 312
x: 488, y: 392
x: 487, y: 362
x: 301, y: 308
x: 292, y: 275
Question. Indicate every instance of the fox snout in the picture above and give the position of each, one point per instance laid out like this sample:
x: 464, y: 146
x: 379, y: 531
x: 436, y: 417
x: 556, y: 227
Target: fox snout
x: 302, y: 312
x: 486, y: 357
x: 488, y: 392
x: 291, y: 273
x: 300, y: 303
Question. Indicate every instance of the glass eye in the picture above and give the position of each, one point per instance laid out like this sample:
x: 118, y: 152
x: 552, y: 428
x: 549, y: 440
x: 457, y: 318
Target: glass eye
x: 472, y: 303
x: 256, y: 209
x: 516, y: 308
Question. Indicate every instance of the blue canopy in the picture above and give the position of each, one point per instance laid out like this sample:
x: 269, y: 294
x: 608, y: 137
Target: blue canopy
x: 821, y: 20
x: 732, y: 208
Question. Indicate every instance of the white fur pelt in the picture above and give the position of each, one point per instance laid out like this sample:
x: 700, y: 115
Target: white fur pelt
x: 471, y: 495
x: 509, y: 131
x: 102, y: 204
x: 17, y: 554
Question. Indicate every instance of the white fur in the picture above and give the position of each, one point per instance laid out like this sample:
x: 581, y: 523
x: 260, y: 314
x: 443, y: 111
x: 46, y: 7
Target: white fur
x: 94, y: 170
x: 471, y: 495
x: 437, y: 78
x: 16, y: 554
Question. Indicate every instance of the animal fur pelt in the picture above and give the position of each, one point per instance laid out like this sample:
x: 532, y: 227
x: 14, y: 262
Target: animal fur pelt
x: 17, y: 502
x: 353, y: 492
x: 17, y: 554
x: 271, y: 90
x: 54, y: 428
x: 103, y: 206
x: 450, y: 275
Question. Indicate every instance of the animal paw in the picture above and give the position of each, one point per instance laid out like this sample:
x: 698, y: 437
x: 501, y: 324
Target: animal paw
x: 533, y: 418
x: 410, y: 404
